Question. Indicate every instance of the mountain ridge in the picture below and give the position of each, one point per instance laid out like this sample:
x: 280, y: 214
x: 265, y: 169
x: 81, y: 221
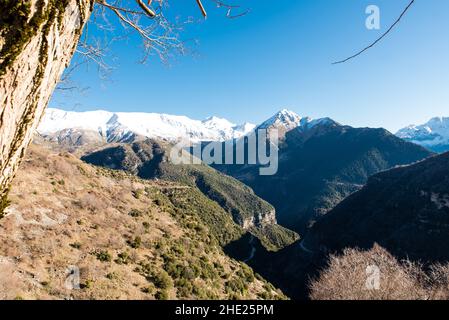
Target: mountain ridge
x: 433, y: 135
x: 321, y: 165
x: 149, y: 159
x: 417, y: 194
x: 129, y: 126
x: 117, y: 126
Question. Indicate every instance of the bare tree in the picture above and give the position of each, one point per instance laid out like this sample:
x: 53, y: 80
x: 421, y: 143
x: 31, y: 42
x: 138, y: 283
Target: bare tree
x: 38, y: 39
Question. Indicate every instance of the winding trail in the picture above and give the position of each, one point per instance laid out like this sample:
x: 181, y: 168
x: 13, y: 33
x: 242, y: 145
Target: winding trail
x: 303, y: 247
x: 253, y: 250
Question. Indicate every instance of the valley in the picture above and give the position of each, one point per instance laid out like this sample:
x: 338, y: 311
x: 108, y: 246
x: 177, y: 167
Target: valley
x: 321, y: 162
x: 222, y: 150
x: 330, y: 183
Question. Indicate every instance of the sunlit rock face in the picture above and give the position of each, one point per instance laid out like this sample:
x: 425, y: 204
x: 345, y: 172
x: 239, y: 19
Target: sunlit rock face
x: 30, y: 68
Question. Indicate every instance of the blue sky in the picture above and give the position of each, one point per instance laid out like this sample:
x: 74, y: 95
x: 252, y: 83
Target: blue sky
x: 279, y: 56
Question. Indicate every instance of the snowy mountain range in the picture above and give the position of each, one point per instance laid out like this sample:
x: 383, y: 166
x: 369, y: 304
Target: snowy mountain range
x: 84, y: 127
x: 433, y: 135
x: 123, y: 127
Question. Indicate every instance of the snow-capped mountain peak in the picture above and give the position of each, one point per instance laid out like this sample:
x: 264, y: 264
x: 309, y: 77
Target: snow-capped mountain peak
x: 120, y: 125
x: 433, y: 135
x: 126, y: 126
x: 215, y: 122
x: 285, y: 118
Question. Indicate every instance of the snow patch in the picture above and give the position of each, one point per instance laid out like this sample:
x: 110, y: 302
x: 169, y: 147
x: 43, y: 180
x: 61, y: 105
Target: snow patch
x: 431, y: 134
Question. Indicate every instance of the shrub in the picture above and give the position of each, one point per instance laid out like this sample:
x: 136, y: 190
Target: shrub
x: 103, y: 256
x: 173, y: 269
x: 137, y: 193
x: 161, y: 295
x: 178, y: 249
x: 45, y: 283
x: 184, y: 287
x: 135, y: 213
x: 247, y: 273
x: 265, y: 295
x: 135, y: 243
x: 111, y: 276
x: 145, y: 270
x: 188, y: 273
x: 147, y: 290
x: 87, y: 285
x: 76, y: 245
x: 200, y: 292
x: 235, y: 286
x: 162, y: 280
x: 122, y: 258
x: 347, y: 277
x: 207, y: 270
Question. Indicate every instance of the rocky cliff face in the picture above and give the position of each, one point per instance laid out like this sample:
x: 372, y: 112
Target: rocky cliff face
x: 259, y: 220
x: 37, y: 41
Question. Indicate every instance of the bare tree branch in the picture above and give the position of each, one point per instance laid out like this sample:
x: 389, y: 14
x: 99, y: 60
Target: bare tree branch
x: 221, y: 4
x: 160, y: 36
x: 381, y: 37
x: 147, y: 10
x: 203, y: 11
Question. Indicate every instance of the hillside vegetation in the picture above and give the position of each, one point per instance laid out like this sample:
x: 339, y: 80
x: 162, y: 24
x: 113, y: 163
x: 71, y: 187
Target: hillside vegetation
x: 320, y: 167
x: 149, y: 160
x: 347, y: 277
x: 129, y: 238
x: 405, y: 210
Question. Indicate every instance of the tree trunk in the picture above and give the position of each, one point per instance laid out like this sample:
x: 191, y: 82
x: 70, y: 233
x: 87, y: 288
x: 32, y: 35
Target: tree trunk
x: 37, y: 41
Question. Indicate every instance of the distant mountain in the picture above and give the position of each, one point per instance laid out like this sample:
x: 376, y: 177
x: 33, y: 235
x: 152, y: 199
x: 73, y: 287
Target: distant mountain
x: 320, y: 163
x: 405, y: 210
x: 433, y: 135
x: 149, y: 159
x: 124, y: 127
x: 287, y: 120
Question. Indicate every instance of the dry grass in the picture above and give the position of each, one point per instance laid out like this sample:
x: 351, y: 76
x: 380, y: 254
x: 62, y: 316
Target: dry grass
x: 66, y: 213
x: 350, y: 276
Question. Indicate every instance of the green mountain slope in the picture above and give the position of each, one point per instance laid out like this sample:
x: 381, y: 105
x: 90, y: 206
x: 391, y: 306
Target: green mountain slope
x: 405, y: 210
x: 321, y: 166
x: 149, y: 160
